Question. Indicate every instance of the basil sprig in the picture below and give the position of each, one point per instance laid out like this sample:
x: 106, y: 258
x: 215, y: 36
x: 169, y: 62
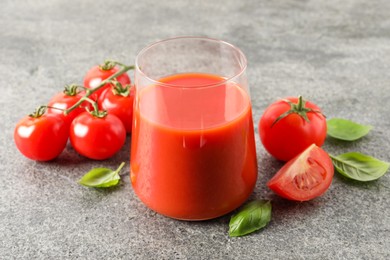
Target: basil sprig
x: 359, y: 166
x: 346, y: 130
x: 253, y: 216
x: 101, y: 177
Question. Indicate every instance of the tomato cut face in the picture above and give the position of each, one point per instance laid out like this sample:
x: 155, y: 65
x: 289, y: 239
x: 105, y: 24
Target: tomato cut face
x: 304, y: 177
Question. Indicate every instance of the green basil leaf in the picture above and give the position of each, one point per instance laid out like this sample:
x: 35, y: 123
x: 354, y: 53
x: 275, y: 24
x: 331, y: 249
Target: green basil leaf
x: 101, y: 177
x: 253, y: 216
x: 359, y: 166
x: 346, y: 130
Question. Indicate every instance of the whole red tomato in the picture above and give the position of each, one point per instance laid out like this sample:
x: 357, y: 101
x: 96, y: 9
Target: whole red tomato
x: 66, y: 99
x: 289, y: 126
x: 101, y: 72
x: 97, y: 136
x: 118, y: 101
x: 305, y: 177
x: 41, y: 136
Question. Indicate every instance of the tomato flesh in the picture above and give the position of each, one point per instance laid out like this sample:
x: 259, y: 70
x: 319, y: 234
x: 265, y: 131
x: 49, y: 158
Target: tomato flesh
x: 305, y: 177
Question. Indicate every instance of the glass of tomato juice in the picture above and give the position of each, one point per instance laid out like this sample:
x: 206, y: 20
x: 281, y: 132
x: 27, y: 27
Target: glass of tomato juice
x: 193, y: 154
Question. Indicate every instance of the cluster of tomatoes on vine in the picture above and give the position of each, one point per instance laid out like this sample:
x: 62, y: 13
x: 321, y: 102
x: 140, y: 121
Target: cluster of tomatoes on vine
x: 95, y: 117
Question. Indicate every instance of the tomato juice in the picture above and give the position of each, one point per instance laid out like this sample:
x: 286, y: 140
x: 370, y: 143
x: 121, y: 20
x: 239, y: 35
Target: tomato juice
x: 193, y: 153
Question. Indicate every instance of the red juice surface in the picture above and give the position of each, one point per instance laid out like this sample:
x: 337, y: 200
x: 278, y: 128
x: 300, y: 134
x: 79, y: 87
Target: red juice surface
x: 193, y: 154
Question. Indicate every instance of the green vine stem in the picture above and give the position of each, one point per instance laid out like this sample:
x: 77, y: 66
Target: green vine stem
x: 89, y: 92
x: 41, y: 110
x: 96, y: 112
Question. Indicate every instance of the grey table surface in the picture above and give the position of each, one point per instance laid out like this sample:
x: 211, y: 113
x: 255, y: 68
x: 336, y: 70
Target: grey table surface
x: 335, y: 53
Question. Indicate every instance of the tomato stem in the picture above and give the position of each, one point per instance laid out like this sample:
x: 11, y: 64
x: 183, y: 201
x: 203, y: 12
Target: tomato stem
x: 297, y: 108
x: 89, y: 92
x: 72, y: 89
x: 119, y: 90
x: 107, y: 65
x: 110, y: 64
x: 39, y: 111
x: 116, y: 63
x: 51, y: 107
x: 93, y: 103
x: 120, y: 167
x: 301, y: 104
x: 95, y: 112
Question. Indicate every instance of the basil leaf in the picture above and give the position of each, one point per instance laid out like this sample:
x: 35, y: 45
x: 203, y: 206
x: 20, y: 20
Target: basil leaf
x: 359, y: 166
x: 346, y: 130
x: 253, y: 216
x: 101, y: 177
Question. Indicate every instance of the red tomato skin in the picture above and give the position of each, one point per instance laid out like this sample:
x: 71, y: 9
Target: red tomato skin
x: 63, y: 101
x: 118, y: 105
x: 97, y: 138
x: 42, y: 138
x: 305, y: 177
x: 96, y: 75
x: 291, y: 135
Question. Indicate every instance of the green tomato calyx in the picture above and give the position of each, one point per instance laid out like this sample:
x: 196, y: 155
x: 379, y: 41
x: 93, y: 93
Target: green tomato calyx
x: 39, y: 111
x: 72, y: 90
x: 99, y: 113
x: 119, y: 90
x: 297, y: 108
x: 107, y: 65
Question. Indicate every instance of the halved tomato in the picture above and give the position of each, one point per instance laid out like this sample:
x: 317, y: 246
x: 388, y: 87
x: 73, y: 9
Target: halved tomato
x: 304, y: 177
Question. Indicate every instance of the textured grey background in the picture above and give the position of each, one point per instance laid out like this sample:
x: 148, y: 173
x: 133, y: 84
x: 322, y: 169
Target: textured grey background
x: 335, y: 53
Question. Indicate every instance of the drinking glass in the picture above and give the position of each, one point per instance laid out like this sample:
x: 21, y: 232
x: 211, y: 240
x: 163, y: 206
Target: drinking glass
x: 193, y: 154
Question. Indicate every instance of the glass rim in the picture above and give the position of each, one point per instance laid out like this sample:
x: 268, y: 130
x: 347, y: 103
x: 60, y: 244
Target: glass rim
x: 154, y: 81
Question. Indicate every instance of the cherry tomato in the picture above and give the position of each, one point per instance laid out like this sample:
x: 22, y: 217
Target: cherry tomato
x: 119, y: 102
x: 41, y: 137
x: 305, y: 177
x: 289, y: 126
x: 65, y: 100
x: 97, y: 137
x: 99, y: 73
